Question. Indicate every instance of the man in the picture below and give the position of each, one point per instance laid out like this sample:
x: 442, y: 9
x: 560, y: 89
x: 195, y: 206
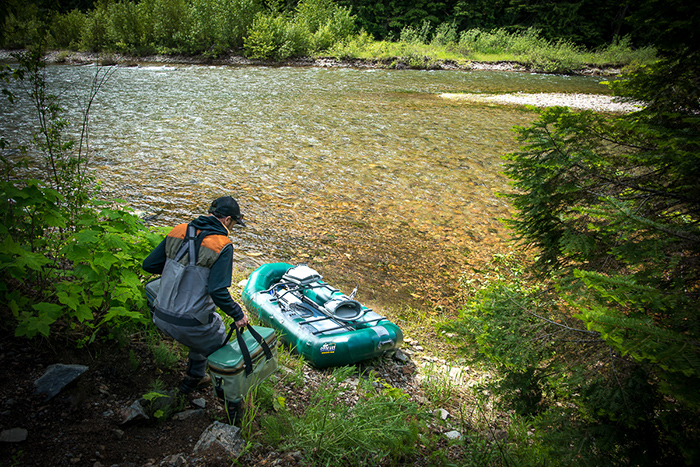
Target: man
x: 192, y: 286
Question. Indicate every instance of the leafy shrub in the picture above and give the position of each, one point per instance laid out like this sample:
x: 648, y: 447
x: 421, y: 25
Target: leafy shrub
x: 66, y: 30
x: 621, y: 52
x: 313, y: 14
x: 351, y: 47
x: 272, y: 36
x: 412, y: 35
x: 71, y: 264
x: 218, y: 25
x: 74, y: 280
x: 22, y: 27
x: 171, y: 23
x: 126, y: 26
x: 445, y: 34
x: 337, y: 28
x: 95, y: 35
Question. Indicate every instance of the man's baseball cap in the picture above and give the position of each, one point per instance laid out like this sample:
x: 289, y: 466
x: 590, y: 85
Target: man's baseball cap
x: 226, y: 206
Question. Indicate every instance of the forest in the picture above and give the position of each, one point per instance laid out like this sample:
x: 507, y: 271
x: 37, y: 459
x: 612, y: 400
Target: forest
x: 277, y: 29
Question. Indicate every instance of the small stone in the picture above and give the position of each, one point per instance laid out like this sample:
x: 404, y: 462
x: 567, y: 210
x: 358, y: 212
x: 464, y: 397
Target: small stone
x: 421, y: 399
x: 442, y: 413
x: 13, y: 435
x: 133, y: 413
x: 454, y: 434
x: 175, y: 460
x: 119, y: 434
x: 401, y: 356
x: 187, y: 414
x: 199, y: 403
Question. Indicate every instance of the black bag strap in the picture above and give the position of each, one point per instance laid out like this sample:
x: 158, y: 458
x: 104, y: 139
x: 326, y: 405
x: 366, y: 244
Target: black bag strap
x: 191, y: 243
x: 244, y: 348
x: 188, y: 245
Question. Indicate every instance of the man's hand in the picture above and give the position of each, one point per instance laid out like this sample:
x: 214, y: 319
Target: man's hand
x: 241, y: 322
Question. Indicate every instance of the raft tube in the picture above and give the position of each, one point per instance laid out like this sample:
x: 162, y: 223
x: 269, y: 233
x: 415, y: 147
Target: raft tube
x: 324, y: 339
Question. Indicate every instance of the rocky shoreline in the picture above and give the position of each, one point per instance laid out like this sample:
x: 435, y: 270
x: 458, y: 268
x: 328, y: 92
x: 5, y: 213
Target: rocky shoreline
x: 84, y: 58
x: 599, y: 103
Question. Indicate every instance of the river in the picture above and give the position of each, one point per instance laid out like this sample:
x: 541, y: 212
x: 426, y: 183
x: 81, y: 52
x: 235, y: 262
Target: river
x: 366, y: 175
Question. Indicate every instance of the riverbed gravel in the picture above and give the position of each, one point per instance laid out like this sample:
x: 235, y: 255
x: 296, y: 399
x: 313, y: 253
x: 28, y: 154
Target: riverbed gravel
x: 596, y: 102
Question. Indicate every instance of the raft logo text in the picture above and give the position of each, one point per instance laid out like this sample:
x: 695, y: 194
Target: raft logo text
x: 327, y: 348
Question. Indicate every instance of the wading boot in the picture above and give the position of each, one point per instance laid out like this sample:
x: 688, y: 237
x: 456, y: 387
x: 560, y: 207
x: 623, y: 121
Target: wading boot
x: 235, y: 412
x: 191, y: 383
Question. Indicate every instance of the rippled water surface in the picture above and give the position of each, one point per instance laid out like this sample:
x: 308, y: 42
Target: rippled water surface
x: 367, y: 175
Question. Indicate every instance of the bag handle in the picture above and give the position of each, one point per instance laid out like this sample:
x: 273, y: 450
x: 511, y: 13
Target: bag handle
x: 244, y: 348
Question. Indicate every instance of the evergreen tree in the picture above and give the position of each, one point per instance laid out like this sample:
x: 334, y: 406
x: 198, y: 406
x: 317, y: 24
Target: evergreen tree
x: 603, y: 343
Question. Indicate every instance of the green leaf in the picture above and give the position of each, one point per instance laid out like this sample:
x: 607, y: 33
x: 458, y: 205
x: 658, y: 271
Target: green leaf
x: 83, y: 313
x: 51, y: 310
x: 34, y: 261
x: 70, y: 300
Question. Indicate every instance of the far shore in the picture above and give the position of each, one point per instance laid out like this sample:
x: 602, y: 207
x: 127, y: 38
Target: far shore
x: 85, y: 58
x: 600, y: 103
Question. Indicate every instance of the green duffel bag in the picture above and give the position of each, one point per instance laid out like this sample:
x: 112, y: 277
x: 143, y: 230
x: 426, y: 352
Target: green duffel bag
x: 243, y: 363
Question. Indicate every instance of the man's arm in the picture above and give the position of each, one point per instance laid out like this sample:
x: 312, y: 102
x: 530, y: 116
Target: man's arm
x: 155, y: 262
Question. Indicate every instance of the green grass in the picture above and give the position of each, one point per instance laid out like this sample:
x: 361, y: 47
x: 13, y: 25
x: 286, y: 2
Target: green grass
x: 378, y: 428
x: 527, y: 48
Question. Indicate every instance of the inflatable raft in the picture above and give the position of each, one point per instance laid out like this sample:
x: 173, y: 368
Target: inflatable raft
x: 325, y: 326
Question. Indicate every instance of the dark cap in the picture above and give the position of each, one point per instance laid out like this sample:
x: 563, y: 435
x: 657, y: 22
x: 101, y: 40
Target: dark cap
x: 226, y: 206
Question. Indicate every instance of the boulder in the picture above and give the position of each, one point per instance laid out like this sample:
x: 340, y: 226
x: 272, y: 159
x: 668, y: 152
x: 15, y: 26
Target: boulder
x: 220, y: 437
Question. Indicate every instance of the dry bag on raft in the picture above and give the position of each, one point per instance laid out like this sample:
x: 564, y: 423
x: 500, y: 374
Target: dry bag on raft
x: 243, y: 363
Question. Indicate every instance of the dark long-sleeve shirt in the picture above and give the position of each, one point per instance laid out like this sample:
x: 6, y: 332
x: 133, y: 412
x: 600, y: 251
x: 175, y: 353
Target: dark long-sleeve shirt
x: 220, y: 273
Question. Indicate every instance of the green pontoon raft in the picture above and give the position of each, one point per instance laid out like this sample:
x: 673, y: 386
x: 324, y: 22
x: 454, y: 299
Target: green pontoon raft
x: 325, y: 326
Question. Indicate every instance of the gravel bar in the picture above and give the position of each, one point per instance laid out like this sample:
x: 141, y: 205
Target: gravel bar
x: 596, y: 102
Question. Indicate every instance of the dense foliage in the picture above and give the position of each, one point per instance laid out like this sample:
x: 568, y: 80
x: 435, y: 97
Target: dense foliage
x: 71, y: 264
x: 279, y: 30
x: 599, y: 346
x: 591, y: 23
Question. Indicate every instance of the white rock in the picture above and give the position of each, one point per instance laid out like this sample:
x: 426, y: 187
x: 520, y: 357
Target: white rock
x: 199, y: 403
x: 454, y: 434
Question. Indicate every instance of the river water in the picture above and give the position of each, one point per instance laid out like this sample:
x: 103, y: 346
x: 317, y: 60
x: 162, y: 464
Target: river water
x: 366, y: 175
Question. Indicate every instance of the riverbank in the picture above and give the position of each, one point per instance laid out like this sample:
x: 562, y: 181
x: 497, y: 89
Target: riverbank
x: 85, y: 58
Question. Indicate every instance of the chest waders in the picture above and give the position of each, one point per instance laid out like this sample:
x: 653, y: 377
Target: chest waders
x: 183, y: 308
